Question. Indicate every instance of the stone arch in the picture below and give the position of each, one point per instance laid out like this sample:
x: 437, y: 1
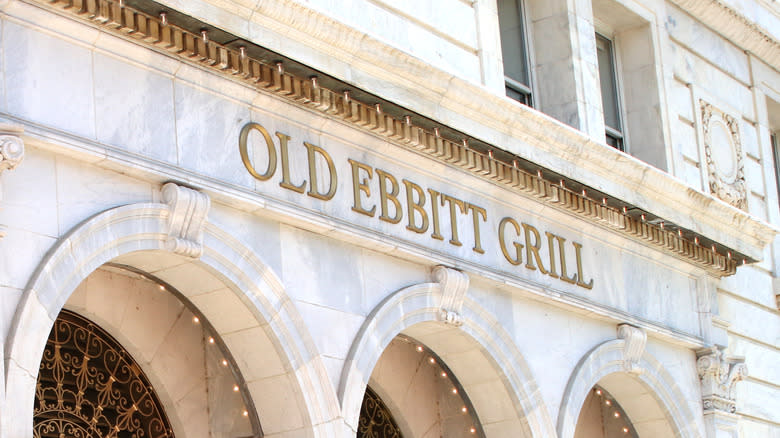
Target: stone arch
x: 649, y: 383
x: 416, y: 309
x: 145, y: 227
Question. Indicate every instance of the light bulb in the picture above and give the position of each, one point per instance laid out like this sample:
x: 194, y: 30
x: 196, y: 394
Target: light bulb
x: 224, y: 362
x: 195, y: 319
x: 235, y: 388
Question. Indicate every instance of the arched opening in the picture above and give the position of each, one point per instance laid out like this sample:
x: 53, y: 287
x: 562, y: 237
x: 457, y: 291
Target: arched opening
x: 602, y: 416
x: 134, y: 337
x: 482, y: 355
x: 412, y: 387
x: 236, y: 291
x: 646, y: 393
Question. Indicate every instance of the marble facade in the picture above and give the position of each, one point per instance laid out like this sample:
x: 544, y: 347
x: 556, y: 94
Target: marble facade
x: 124, y: 197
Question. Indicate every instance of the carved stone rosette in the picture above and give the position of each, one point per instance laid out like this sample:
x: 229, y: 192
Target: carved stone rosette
x: 719, y: 375
x: 724, y: 157
x: 11, y: 147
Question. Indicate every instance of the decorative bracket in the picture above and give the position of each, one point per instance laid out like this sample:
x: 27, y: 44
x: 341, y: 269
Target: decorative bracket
x: 188, y: 211
x: 453, y: 284
x: 719, y: 375
x: 635, y: 339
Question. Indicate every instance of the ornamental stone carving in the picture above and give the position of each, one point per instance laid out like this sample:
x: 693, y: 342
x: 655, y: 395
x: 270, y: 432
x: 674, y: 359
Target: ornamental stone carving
x: 188, y: 211
x: 724, y: 157
x: 635, y: 338
x: 453, y: 284
x: 11, y: 147
x: 719, y: 375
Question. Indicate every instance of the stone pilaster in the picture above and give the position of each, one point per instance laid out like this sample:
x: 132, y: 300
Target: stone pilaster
x: 719, y: 375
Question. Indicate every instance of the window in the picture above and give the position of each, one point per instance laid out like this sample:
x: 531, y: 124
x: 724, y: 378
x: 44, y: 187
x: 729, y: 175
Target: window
x: 609, y: 92
x: 776, y: 153
x: 514, y: 51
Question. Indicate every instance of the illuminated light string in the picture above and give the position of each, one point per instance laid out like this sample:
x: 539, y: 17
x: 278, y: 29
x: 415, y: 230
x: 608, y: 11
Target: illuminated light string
x: 445, y: 375
x: 197, y: 320
x: 615, y: 413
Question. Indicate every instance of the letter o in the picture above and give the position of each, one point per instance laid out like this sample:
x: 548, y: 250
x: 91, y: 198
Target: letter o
x: 243, y: 139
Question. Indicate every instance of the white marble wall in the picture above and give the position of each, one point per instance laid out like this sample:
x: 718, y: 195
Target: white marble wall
x: 707, y: 66
x: 118, y: 120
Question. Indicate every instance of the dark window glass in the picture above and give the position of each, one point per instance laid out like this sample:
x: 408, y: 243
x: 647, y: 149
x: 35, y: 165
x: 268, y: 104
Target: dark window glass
x: 513, y: 50
x: 776, y: 153
x: 609, y: 93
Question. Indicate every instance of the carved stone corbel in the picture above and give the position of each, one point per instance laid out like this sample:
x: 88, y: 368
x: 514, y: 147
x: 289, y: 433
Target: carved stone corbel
x: 11, y: 146
x: 635, y: 339
x: 453, y: 284
x: 719, y: 375
x: 188, y: 211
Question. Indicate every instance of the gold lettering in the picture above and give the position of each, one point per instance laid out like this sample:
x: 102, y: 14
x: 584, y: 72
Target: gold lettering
x: 518, y: 247
x: 533, y: 249
x: 413, y: 207
x: 564, y: 274
x: 286, y: 183
x: 435, y: 214
x: 453, y: 219
x: 551, y: 250
x: 243, y: 148
x: 392, y: 196
x: 578, y: 256
x: 313, y: 185
x: 361, y: 185
x: 475, y: 213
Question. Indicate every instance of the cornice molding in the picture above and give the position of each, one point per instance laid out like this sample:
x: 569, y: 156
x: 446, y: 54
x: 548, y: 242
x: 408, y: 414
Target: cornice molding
x: 737, y: 28
x: 540, y: 138
x: 656, y: 191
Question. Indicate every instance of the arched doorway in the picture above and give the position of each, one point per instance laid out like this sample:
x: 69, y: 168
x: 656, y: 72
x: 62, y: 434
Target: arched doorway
x: 129, y: 356
x: 603, y: 417
x: 413, y: 393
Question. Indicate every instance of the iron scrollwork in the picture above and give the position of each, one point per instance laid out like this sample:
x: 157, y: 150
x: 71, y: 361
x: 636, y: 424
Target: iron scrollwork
x: 89, y: 386
x: 376, y: 421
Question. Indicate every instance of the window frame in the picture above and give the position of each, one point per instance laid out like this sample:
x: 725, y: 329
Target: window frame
x: 774, y: 142
x: 526, y: 90
x: 619, y: 136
